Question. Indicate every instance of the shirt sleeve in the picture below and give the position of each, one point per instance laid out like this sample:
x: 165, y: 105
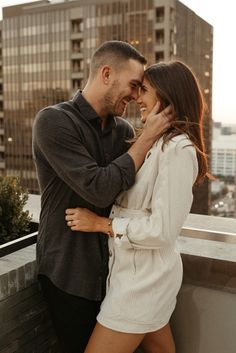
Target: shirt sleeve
x: 171, y: 202
x: 57, y: 146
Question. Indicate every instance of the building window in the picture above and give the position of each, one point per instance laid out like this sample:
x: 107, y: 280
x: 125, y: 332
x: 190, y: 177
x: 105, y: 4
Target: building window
x: 172, y: 14
x: 160, y: 14
x: 159, y: 55
x: 160, y: 36
x: 77, y: 46
x: 77, y: 25
x: 77, y: 65
x: 76, y: 84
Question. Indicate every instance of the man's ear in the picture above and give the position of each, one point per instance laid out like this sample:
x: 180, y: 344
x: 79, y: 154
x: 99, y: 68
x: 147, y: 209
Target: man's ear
x: 106, y: 73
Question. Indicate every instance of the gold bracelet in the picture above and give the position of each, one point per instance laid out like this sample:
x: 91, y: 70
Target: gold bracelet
x: 109, y: 232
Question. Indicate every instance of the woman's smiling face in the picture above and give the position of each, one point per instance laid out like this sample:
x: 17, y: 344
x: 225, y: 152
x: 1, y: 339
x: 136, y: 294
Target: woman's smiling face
x: 147, y: 99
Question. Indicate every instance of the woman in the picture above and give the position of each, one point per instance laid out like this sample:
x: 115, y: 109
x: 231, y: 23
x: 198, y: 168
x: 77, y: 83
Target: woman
x: 145, y: 268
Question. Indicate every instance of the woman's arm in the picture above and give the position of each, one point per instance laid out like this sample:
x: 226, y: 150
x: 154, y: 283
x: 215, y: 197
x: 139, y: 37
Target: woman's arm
x: 171, y: 203
x: 85, y: 220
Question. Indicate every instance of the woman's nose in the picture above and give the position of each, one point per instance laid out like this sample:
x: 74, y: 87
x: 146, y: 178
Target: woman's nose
x: 139, y: 100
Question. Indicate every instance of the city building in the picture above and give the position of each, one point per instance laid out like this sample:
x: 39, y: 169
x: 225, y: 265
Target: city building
x: 47, y: 48
x: 2, y: 145
x: 223, y: 167
x: 223, y: 152
x: 228, y: 129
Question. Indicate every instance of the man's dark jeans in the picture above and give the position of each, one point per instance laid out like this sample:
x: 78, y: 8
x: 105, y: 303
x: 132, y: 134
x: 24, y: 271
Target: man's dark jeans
x: 73, y: 317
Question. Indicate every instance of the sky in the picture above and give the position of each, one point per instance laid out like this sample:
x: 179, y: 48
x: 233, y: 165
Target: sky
x: 222, y: 15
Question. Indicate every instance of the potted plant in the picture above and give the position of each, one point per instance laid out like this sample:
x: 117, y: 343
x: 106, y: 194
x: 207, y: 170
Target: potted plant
x: 14, y: 221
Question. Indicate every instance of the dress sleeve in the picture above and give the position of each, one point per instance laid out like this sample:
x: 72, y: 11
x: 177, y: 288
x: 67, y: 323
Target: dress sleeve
x: 171, y: 202
x: 58, y: 147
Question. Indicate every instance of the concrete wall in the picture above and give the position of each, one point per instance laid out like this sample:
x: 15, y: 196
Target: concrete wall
x: 204, y: 320
x: 25, y: 326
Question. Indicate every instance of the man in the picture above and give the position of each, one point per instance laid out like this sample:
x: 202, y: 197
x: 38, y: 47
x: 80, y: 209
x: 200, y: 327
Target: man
x: 80, y: 153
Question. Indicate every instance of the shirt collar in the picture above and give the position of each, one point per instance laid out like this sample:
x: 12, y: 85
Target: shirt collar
x: 87, y: 110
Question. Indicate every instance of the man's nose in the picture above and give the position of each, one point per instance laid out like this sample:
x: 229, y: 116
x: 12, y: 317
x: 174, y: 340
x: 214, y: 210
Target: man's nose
x: 135, y: 93
x: 138, y: 99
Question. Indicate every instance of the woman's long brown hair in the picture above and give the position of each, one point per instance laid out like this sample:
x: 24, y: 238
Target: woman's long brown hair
x: 176, y: 85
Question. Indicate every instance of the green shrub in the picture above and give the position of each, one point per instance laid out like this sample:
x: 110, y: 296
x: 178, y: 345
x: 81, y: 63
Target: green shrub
x: 14, y: 221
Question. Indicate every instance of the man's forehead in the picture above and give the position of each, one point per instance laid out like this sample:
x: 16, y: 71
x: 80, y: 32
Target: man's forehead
x: 136, y: 70
x: 135, y: 65
x: 133, y: 71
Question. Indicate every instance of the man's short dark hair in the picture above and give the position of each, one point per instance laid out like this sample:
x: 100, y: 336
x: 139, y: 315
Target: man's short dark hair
x: 114, y: 53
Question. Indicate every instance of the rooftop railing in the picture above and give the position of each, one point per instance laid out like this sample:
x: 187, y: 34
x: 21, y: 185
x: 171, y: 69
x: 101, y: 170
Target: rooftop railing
x: 208, y: 228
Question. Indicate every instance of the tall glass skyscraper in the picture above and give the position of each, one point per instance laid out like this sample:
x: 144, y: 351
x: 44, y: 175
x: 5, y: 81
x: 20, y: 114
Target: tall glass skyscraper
x: 46, y: 51
x: 2, y: 144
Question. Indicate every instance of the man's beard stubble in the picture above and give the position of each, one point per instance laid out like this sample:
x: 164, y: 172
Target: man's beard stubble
x: 109, y: 99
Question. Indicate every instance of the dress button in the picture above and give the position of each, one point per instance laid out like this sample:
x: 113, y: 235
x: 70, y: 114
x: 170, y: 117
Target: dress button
x: 119, y: 236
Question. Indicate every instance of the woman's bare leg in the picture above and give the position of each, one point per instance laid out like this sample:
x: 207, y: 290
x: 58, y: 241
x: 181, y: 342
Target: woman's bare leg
x: 104, y: 340
x: 160, y: 341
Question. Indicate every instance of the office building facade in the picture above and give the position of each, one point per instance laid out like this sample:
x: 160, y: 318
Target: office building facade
x: 2, y: 143
x: 47, y: 48
x: 224, y: 156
